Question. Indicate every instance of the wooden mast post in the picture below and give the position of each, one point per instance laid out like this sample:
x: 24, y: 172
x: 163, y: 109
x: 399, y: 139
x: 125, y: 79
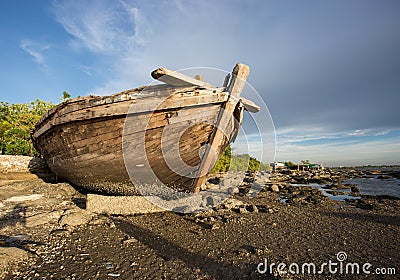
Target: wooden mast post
x: 235, y: 88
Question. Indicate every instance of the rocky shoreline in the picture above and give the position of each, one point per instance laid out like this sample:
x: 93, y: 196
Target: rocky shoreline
x: 46, y: 233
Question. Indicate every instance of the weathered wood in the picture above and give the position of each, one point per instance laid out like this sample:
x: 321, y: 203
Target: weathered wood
x: 249, y: 105
x: 85, y: 139
x: 177, y: 79
x: 237, y: 83
x: 178, y: 100
x: 226, y: 81
x: 88, y: 162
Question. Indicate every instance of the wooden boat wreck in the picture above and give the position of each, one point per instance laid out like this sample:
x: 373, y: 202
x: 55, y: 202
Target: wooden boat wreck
x: 89, y: 141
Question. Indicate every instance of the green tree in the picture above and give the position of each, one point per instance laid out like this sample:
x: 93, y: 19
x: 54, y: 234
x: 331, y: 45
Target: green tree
x: 66, y: 96
x: 223, y: 163
x: 290, y: 165
x: 17, y: 121
x: 233, y: 162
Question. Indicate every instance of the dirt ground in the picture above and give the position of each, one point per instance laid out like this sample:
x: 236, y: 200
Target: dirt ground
x: 46, y: 233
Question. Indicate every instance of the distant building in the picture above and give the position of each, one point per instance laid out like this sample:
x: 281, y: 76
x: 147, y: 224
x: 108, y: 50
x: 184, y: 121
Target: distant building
x: 314, y: 166
x: 277, y: 165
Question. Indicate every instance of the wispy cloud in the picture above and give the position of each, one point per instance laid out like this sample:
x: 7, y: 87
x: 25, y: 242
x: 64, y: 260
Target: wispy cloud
x: 375, y: 152
x: 115, y: 32
x: 303, y: 135
x: 108, y: 27
x: 35, y: 49
x: 362, y: 146
x: 369, y: 132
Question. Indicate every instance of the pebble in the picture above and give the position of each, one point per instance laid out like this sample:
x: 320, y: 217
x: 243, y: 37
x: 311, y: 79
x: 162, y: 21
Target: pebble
x: 275, y: 188
x: 109, y: 266
x: 215, y: 226
x: 129, y: 241
x: 252, y: 208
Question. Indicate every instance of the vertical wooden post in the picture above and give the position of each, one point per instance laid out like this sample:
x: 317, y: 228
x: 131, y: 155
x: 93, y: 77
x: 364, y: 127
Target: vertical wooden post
x: 235, y: 88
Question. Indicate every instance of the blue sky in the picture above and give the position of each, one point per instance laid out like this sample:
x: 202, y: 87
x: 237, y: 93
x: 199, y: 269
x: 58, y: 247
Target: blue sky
x: 329, y: 71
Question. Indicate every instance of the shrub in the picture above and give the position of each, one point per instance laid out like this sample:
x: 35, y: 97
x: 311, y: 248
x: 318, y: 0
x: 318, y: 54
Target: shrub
x: 243, y: 162
x: 17, y: 121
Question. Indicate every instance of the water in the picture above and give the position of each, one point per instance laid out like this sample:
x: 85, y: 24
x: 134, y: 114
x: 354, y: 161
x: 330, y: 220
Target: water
x: 344, y: 193
x: 368, y: 186
x: 375, y: 186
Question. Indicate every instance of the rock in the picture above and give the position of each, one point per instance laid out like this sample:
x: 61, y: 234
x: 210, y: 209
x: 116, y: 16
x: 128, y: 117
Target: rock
x: 300, y: 180
x: 232, y: 203
x: 320, y: 180
x: 24, y: 198
x: 186, y: 209
x: 395, y: 174
x: 246, y: 250
x: 355, y: 189
x: 120, y: 205
x: 233, y: 190
x: 64, y: 189
x: 10, y: 257
x: 373, y: 172
x: 215, y: 226
x: 252, y: 208
x: 100, y: 220
x: 335, y: 193
x: 232, y: 180
x: 262, y: 178
x: 384, y: 177
x: 214, y: 181
x: 242, y: 210
x: 212, y: 200
x: 275, y: 188
x: 43, y: 218
x: 75, y: 217
x: 337, y: 186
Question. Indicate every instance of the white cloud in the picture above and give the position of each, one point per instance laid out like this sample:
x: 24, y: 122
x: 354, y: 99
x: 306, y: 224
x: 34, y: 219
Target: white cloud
x: 358, y: 147
x: 301, y: 135
x: 377, y: 152
x: 35, y: 49
x: 368, y: 132
x: 107, y: 27
x: 116, y: 32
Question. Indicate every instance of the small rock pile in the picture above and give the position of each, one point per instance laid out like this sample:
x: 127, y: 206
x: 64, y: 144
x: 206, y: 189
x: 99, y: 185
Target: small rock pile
x: 22, y: 164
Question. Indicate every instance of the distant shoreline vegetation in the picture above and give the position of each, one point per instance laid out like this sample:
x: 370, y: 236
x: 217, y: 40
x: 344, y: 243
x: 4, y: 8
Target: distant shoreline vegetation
x: 234, y: 163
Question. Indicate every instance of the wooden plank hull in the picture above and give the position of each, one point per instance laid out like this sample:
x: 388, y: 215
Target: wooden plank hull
x: 89, y: 152
x: 94, y: 141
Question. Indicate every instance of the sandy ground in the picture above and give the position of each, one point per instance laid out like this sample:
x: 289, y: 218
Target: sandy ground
x: 46, y: 233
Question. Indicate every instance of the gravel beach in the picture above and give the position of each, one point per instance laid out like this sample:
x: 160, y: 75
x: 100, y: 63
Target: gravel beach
x: 46, y: 233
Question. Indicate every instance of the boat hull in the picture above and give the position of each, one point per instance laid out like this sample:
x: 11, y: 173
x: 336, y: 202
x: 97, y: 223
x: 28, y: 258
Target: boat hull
x: 89, y: 153
x: 177, y: 131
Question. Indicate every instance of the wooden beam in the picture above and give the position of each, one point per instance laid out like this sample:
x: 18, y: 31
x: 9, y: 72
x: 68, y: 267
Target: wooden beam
x: 237, y: 83
x: 249, y: 105
x: 136, y: 106
x: 177, y: 79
